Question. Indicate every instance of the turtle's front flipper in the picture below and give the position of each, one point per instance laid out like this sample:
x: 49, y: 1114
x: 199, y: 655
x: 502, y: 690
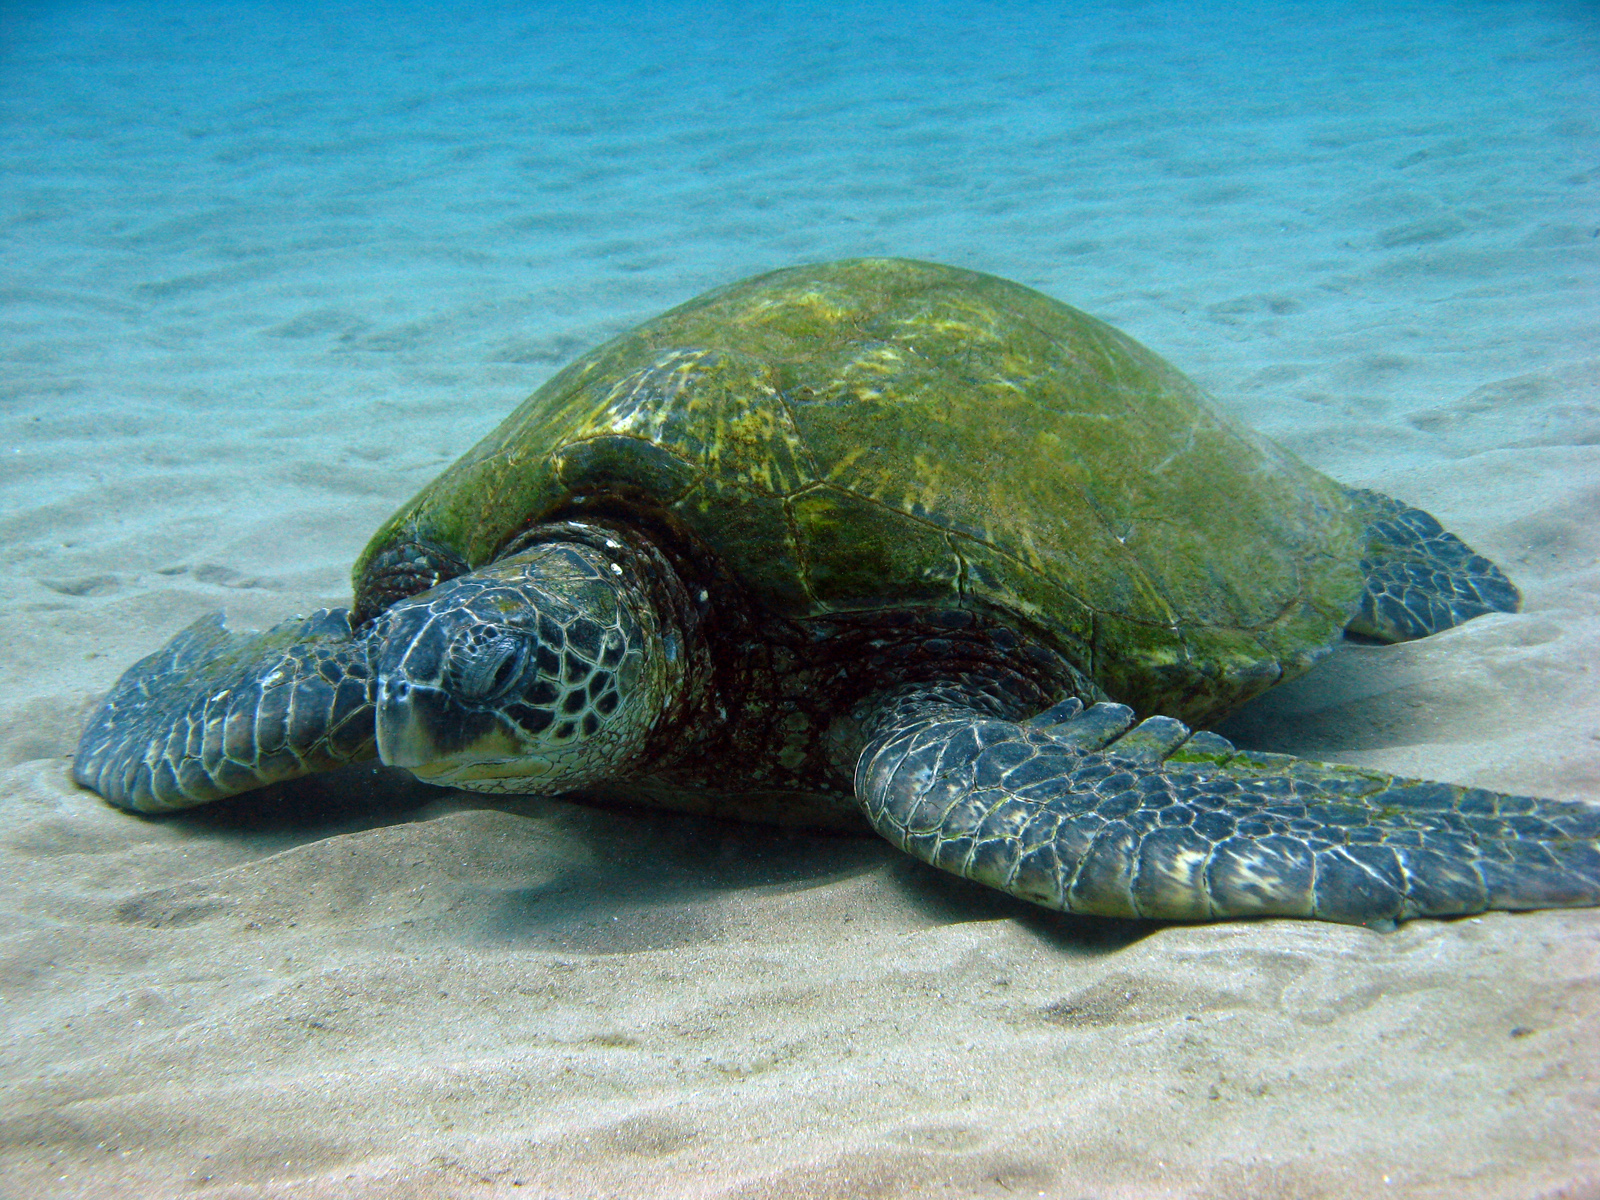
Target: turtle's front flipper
x: 1421, y: 578
x: 1072, y: 813
x: 214, y: 713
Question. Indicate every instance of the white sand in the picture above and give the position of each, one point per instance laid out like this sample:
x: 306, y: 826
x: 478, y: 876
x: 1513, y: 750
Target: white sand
x: 267, y: 274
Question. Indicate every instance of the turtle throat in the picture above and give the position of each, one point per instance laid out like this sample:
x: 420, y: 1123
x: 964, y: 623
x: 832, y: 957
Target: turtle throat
x: 550, y: 669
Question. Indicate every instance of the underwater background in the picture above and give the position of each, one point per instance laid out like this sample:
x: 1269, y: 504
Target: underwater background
x: 268, y: 268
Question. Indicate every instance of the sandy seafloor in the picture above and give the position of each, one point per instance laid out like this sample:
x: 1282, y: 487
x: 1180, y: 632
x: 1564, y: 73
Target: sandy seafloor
x: 267, y: 270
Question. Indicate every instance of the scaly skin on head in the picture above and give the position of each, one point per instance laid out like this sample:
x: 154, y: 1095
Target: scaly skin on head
x: 548, y: 670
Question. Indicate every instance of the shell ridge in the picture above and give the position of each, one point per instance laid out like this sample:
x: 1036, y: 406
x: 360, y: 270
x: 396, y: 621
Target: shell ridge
x: 882, y: 433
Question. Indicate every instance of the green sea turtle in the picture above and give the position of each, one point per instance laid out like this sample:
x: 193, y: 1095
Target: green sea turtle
x: 887, y: 543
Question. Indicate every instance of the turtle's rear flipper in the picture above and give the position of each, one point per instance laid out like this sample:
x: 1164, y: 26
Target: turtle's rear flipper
x: 1069, y: 812
x: 1421, y: 578
x: 215, y: 713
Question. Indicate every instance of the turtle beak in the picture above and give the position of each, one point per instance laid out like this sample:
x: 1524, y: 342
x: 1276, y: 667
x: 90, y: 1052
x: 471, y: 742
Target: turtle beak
x: 423, y: 730
x: 422, y: 725
x: 403, y: 737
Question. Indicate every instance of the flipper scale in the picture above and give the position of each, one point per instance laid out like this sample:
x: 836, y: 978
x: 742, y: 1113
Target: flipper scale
x: 214, y: 713
x: 1420, y: 578
x: 1196, y: 830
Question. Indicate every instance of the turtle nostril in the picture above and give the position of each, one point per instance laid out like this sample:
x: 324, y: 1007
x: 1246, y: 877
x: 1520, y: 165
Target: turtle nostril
x: 396, y: 689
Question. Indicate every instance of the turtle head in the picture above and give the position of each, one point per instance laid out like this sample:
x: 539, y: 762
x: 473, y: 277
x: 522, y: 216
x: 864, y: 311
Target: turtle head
x: 540, y: 673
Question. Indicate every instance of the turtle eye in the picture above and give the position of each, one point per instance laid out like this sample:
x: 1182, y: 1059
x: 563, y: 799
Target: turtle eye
x: 487, y: 670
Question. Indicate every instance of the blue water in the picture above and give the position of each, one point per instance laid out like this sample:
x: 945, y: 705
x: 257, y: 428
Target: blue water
x: 547, y: 150
x: 264, y: 210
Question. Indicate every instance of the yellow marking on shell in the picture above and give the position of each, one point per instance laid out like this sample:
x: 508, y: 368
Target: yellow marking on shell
x: 846, y: 463
x: 1164, y: 656
x: 816, y: 303
x: 880, y: 359
x: 716, y: 410
x: 951, y: 327
x: 1016, y: 379
x: 764, y: 446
